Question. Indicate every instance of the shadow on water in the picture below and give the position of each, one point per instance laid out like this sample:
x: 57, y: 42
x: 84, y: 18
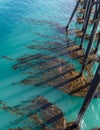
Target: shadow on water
x: 30, y: 58
x: 39, y: 113
x: 57, y: 26
x: 80, y: 88
x: 48, y: 70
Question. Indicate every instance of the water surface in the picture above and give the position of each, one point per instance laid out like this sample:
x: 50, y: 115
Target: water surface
x: 32, y: 22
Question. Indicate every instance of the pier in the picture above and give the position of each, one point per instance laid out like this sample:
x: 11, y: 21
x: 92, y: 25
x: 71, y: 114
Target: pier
x: 50, y: 65
x: 88, y: 6
x: 55, y: 71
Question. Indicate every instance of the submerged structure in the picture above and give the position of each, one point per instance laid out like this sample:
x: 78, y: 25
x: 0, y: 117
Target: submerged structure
x: 87, y: 8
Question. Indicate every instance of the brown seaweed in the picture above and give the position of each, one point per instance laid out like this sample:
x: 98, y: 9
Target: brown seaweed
x: 45, y: 115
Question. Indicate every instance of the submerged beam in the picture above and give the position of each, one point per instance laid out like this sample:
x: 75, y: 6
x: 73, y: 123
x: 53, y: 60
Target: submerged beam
x: 89, y: 47
x: 94, y: 86
x: 85, y: 24
x: 86, y: 8
x: 92, y: 37
x: 73, y: 13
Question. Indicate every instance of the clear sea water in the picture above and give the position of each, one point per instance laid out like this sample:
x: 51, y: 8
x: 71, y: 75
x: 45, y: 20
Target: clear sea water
x: 21, y: 23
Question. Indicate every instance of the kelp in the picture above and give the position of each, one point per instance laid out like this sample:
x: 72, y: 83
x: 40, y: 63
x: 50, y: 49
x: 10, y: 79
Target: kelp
x: 81, y: 10
x: 81, y: 21
x: 41, y: 114
x: 28, y: 60
x: 45, y: 70
x: 61, y: 75
x: 79, y: 34
x: 79, y: 54
x: 87, y: 36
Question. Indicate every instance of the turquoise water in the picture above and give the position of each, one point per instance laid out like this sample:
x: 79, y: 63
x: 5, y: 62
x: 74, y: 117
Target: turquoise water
x: 32, y: 22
